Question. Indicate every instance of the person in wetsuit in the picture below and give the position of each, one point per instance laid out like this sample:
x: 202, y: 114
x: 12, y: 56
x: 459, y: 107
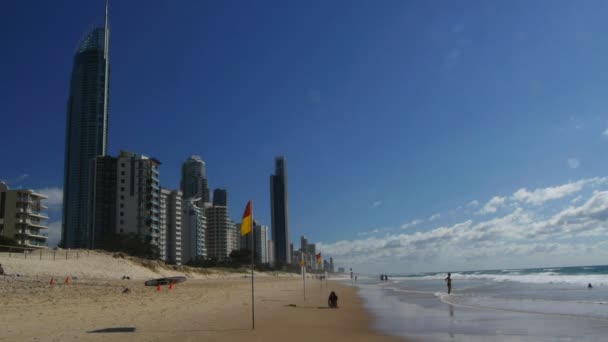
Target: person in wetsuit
x: 448, y: 280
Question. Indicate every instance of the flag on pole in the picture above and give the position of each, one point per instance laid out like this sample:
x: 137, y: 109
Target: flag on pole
x: 246, y: 223
x: 318, y: 256
x: 302, y: 262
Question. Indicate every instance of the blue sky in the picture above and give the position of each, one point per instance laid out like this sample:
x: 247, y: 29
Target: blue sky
x: 387, y: 112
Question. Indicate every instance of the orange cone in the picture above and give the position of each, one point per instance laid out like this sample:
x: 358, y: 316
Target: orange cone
x: 170, y: 285
x: 52, y: 281
x: 158, y: 287
x: 67, y: 280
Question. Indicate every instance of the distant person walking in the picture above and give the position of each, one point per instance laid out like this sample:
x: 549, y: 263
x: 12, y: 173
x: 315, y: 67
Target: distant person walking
x: 332, y: 301
x: 448, y: 280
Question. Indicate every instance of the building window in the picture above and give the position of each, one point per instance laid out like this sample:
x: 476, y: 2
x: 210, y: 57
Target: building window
x: 122, y: 164
x: 122, y: 205
x: 122, y: 222
x: 122, y: 197
x: 122, y: 213
x: 122, y: 181
x: 122, y: 173
x: 122, y: 189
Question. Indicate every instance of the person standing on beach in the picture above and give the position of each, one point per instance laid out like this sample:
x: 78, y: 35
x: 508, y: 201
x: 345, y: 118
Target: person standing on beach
x: 448, y: 280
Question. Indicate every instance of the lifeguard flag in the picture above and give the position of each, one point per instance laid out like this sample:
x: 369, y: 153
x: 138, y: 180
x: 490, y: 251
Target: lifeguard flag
x: 318, y: 256
x: 246, y: 223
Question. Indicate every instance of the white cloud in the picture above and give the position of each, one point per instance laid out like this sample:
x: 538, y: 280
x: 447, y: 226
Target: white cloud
x: 493, y: 204
x: 376, y: 204
x: 567, y: 232
x: 573, y: 163
x: 55, y: 197
x: 473, y: 203
x: 434, y: 217
x: 540, y: 196
x: 411, y: 224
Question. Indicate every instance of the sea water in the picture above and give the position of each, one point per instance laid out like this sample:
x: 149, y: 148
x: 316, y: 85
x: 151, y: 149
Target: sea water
x: 541, y: 304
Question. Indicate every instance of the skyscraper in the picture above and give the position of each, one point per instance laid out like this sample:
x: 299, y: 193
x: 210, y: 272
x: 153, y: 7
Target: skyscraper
x: 279, y: 213
x: 86, y: 132
x: 220, y: 197
x: 194, y: 179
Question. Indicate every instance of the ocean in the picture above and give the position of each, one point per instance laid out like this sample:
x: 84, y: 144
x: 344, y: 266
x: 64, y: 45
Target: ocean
x: 535, y: 304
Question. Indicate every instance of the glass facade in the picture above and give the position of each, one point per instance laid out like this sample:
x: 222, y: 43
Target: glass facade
x: 86, y: 135
x: 278, y: 213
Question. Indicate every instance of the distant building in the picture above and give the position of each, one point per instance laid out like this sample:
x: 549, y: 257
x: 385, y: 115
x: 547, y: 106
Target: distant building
x: 22, y: 218
x: 194, y: 180
x: 270, y: 253
x: 303, y: 243
x: 331, y: 265
x: 125, y: 199
x: 325, y: 266
x: 218, y: 232
x: 86, y: 133
x: 220, y: 197
x: 261, y: 244
x: 234, y: 233
x: 279, y: 213
x: 194, y: 226
x: 260, y: 235
x: 340, y: 269
x: 171, y: 221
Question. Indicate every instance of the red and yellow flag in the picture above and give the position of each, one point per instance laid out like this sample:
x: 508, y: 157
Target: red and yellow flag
x: 318, y: 256
x: 247, y: 222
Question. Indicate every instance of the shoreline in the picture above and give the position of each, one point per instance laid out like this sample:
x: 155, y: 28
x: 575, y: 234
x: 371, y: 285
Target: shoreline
x: 91, y: 309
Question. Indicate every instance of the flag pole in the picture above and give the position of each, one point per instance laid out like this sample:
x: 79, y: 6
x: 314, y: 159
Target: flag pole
x: 303, y: 264
x: 252, y: 266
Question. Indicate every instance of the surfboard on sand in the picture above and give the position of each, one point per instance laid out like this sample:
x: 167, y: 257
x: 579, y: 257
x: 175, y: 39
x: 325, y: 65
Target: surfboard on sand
x: 165, y: 281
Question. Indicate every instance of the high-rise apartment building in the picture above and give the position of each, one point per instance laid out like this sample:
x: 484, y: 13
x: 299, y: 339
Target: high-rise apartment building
x: 171, y: 215
x: 270, y: 252
x: 220, y: 197
x: 194, y: 226
x: 22, y: 218
x: 261, y: 243
x: 86, y: 133
x: 218, y: 232
x: 124, y: 199
x: 234, y: 232
x: 279, y: 212
x: 102, y: 208
x: 194, y: 180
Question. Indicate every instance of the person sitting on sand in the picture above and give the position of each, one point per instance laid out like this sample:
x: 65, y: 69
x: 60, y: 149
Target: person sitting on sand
x: 588, y: 286
x: 332, y: 301
x: 1, y: 270
x: 448, y: 280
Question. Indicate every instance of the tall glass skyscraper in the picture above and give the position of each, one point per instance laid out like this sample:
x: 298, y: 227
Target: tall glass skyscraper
x: 86, y: 132
x: 278, y: 213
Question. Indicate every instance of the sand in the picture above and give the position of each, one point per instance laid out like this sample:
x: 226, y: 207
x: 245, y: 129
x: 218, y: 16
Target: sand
x: 215, y: 307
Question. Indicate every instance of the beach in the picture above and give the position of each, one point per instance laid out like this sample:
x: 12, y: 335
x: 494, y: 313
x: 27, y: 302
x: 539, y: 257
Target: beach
x: 213, y: 307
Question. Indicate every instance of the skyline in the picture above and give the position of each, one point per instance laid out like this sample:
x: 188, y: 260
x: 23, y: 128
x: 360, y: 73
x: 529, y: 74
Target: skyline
x: 388, y: 120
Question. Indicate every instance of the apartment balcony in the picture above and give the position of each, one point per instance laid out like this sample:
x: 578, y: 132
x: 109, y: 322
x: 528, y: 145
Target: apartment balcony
x: 34, y: 244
